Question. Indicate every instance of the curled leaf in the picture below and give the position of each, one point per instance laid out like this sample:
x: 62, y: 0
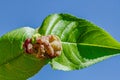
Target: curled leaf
x: 83, y: 42
x: 15, y: 64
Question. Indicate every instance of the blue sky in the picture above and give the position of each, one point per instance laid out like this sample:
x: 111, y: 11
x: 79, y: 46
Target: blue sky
x: 104, y: 13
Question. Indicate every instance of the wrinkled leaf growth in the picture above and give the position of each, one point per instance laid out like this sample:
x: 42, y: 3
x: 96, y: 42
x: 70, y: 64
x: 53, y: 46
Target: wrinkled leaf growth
x: 83, y: 44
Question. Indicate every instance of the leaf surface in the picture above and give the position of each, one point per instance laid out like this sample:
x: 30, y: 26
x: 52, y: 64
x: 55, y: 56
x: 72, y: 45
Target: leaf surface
x: 14, y: 63
x: 83, y: 42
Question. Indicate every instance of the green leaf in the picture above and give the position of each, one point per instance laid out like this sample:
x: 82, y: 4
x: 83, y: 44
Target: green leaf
x: 14, y: 63
x: 83, y: 42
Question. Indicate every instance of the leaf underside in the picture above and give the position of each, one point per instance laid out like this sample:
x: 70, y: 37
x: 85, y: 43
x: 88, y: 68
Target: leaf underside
x: 14, y: 63
x: 83, y: 43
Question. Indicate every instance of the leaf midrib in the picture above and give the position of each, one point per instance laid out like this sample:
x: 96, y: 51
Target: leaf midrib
x: 94, y: 45
x: 10, y: 60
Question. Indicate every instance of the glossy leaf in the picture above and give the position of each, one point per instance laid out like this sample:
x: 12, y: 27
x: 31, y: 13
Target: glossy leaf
x: 83, y: 42
x: 14, y: 63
